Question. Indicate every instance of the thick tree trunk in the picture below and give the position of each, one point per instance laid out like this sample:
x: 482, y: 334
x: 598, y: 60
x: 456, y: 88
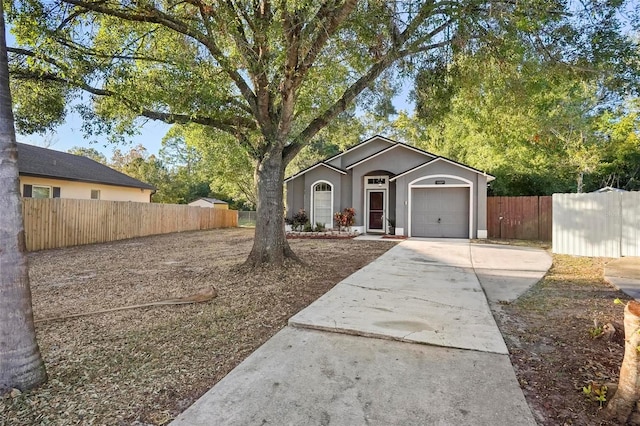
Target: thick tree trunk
x: 627, y: 395
x: 21, y: 365
x: 270, y: 244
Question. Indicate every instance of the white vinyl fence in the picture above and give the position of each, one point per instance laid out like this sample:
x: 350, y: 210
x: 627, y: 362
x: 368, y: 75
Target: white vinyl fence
x: 598, y: 224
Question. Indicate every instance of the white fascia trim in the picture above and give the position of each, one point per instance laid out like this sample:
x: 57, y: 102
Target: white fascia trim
x: 335, y: 169
x: 361, y: 144
x: 489, y: 177
x: 412, y: 170
x: 384, y: 151
x: 364, y: 160
x: 456, y: 185
x: 470, y: 186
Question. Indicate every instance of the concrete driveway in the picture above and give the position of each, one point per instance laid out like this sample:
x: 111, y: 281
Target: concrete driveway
x: 624, y: 274
x: 437, y: 358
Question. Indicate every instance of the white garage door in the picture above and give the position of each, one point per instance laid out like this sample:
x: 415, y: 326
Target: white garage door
x: 440, y: 212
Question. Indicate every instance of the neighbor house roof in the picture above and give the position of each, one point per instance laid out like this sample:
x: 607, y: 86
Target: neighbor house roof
x: 211, y: 200
x: 47, y: 163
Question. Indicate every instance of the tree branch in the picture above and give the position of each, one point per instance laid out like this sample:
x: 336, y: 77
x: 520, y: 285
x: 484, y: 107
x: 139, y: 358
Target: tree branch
x: 155, y: 16
x: 338, y: 107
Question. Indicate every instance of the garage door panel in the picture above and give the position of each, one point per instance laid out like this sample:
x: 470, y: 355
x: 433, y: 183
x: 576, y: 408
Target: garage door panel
x: 440, y: 212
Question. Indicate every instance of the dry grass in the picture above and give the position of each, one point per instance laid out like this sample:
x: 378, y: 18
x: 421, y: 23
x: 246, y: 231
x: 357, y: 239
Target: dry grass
x: 549, y: 335
x: 147, y: 365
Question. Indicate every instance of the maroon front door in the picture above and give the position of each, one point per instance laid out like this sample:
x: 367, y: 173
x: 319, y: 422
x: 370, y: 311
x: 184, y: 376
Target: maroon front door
x: 376, y: 211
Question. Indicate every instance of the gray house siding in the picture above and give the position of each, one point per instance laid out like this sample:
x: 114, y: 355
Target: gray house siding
x: 390, y: 163
x: 346, y: 191
x: 425, y: 195
x: 441, y: 170
x: 295, y: 196
x: 359, y: 152
x: 321, y: 174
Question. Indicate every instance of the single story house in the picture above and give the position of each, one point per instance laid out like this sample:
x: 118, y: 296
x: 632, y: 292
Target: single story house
x: 212, y: 203
x: 45, y: 173
x: 393, y: 185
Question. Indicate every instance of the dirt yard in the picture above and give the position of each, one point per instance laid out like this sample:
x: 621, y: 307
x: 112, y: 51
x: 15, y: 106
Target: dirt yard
x: 145, y: 366
x: 553, y: 336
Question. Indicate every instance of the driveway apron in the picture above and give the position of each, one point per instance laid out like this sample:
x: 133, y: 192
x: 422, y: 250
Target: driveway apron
x: 422, y: 291
x: 407, y: 340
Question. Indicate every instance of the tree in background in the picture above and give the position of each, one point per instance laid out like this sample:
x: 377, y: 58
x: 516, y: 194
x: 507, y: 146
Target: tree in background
x: 21, y: 365
x: 532, y: 124
x: 210, y: 160
x: 273, y: 75
x: 620, y: 166
x: 92, y: 153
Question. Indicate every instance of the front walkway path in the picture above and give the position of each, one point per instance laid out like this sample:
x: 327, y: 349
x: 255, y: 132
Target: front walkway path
x: 325, y: 369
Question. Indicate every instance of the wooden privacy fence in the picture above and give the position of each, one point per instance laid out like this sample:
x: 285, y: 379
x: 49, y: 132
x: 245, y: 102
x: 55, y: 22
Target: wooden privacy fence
x: 60, y: 222
x: 523, y: 218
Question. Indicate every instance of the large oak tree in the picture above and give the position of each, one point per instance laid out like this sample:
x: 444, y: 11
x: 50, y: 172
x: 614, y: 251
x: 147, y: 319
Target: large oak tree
x: 21, y: 366
x: 270, y: 73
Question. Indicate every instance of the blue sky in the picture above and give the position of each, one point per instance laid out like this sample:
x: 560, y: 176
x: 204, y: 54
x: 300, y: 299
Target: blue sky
x: 70, y: 134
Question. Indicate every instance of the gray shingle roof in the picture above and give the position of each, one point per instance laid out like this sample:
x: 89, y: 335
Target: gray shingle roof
x: 42, y: 162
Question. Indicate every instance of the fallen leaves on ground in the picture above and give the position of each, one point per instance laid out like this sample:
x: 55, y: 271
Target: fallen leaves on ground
x: 147, y: 365
x: 549, y: 332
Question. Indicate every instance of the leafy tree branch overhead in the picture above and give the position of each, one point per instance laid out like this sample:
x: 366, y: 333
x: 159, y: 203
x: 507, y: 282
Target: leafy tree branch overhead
x: 270, y: 74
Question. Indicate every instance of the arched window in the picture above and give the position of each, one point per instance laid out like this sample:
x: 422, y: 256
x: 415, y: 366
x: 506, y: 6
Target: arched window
x: 322, y: 204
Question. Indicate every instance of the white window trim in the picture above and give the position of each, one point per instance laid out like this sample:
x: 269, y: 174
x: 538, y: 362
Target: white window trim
x: 469, y: 184
x: 91, y: 194
x: 313, y: 213
x: 34, y: 186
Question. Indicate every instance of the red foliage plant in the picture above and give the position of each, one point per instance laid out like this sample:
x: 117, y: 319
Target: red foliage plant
x: 345, y: 218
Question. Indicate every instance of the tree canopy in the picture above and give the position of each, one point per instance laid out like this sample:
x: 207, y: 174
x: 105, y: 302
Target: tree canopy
x: 272, y: 75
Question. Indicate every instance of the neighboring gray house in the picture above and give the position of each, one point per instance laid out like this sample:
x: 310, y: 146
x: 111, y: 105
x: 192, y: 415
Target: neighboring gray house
x: 425, y: 195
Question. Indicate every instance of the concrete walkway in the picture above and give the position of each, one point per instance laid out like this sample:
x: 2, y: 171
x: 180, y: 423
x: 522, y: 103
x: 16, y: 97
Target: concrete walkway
x: 325, y: 368
x: 624, y: 274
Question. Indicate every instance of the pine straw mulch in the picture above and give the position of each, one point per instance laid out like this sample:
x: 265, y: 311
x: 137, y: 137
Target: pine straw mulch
x: 551, y: 336
x: 145, y: 366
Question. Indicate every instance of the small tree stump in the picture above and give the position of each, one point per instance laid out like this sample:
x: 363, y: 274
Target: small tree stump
x: 622, y: 403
